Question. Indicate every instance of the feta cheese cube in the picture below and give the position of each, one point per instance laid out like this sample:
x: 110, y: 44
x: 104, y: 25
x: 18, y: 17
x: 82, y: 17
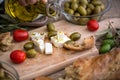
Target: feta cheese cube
x: 38, y: 40
x: 40, y: 44
x: 48, y: 48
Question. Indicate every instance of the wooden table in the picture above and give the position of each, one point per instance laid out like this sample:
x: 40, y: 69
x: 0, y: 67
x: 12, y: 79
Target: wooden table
x: 114, y: 12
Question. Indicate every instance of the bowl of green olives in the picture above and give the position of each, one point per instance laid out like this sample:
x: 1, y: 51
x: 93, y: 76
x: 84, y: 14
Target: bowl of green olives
x: 8, y: 72
x: 81, y: 11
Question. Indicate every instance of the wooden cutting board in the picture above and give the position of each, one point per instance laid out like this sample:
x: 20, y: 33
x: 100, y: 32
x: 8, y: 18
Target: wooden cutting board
x: 45, y: 64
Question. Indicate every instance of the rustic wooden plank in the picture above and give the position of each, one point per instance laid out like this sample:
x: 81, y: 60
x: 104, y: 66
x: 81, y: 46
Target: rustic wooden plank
x: 45, y: 64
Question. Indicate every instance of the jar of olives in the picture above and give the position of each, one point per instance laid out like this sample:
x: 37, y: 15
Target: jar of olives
x: 7, y: 72
x: 81, y: 11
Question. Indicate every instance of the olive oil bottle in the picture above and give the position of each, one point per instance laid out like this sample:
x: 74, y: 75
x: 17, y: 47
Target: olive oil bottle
x: 24, y: 13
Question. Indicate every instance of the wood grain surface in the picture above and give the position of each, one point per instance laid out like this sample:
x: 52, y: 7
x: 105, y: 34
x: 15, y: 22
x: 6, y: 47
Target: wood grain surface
x: 45, y: 64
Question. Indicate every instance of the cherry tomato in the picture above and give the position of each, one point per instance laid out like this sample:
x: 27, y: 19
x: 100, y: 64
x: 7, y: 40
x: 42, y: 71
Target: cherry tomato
x: 92, y: 25
x: 20, y: 35
x: 18, y: 56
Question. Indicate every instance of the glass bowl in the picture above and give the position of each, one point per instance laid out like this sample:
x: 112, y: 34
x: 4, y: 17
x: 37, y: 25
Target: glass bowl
x: 82, y: 20
x: 7, y: 72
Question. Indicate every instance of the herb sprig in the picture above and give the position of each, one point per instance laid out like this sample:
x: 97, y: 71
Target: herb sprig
x: 10, y: 27
x: 116, y: 34
x: 6, y: 24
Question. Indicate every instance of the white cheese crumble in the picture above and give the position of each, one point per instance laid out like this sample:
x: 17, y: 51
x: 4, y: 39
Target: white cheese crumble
x: 59, y: 39
x: 37, y: 36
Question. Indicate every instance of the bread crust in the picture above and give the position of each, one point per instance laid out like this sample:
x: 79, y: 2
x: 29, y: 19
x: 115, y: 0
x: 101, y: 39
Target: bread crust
x: 102, y: 67
x: 6, y: 41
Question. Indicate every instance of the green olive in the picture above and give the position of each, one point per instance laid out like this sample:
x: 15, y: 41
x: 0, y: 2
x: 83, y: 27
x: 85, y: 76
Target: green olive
x: 76, y: 18
x: 91, y: 6
x: 75, y: 36
x: 67, y: 5
x: 72, y: 1
x: 96, y: 2
x: 105, y: 48
x: 77, y: 14
x: 84, y: 1
x: 83, y: 5
x: 74, y: 6
x: 31, y: 53
x: 29, y: 45
x: 69, y: 42
x: 102, y: 6
x: 50, y: 27
x: 83, y: 21
x: 109, y: 41
x: 70, y: 11
x: 89, y: 11
x: 97, y: 10
x: 52, y: 33
x: 66, y: 9
x: 82, y: 11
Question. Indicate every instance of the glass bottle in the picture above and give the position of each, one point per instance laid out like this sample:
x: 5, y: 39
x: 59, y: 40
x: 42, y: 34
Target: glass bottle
x: 30, y: 12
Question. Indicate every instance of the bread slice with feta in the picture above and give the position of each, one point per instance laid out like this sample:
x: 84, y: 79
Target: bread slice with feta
x: 59, y: 39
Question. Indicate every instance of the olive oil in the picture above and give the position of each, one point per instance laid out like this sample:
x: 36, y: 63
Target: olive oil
x: 24, y: 13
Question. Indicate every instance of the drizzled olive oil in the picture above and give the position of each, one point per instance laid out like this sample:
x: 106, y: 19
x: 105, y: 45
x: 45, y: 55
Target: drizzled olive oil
x: 24, y: 13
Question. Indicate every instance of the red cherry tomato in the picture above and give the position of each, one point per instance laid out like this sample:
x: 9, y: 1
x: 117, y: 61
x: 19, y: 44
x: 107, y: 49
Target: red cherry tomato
x: 18, y: 56
x: 20, y: 35
x: 92, y: 25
